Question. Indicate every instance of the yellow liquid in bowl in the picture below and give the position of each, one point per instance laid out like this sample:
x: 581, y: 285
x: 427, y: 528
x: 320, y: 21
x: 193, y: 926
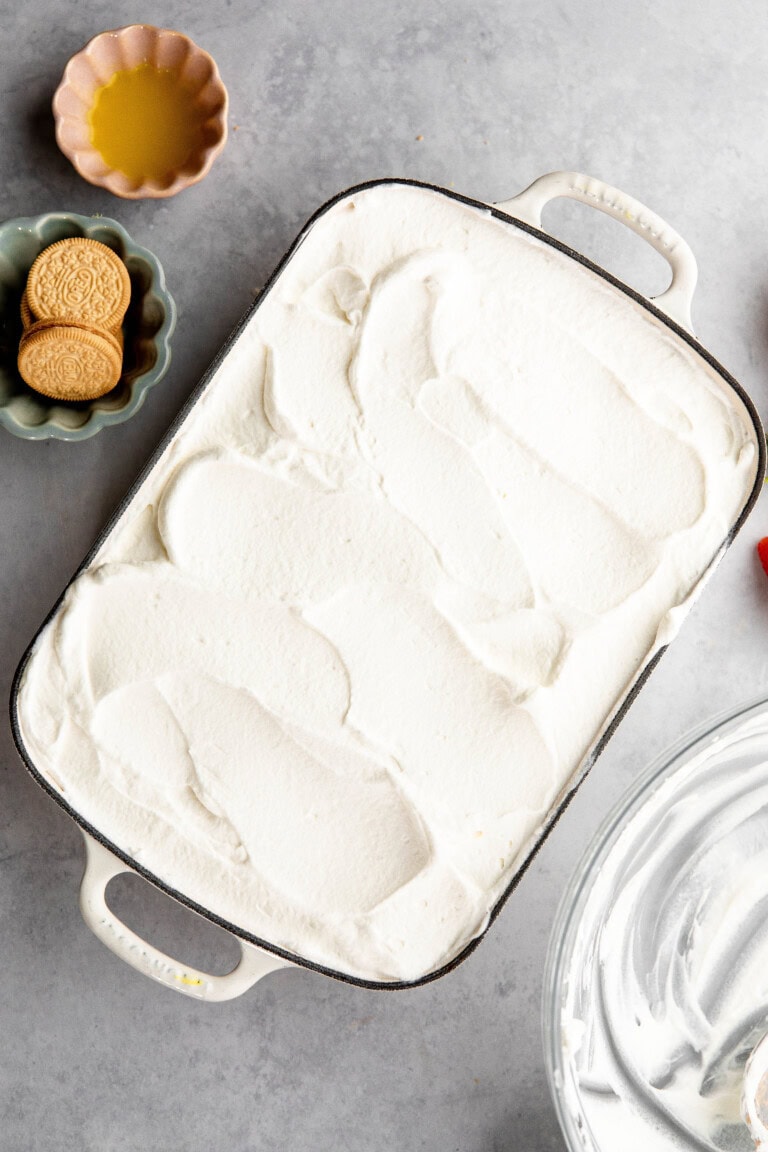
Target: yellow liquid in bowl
x: 144, y: 123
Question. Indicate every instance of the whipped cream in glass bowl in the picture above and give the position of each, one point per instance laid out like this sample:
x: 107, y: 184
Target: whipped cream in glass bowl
x: 656, y: 990
x: 377, y: 602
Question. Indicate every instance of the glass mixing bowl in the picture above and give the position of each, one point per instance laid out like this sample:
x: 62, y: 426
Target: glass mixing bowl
x: 656, y: 983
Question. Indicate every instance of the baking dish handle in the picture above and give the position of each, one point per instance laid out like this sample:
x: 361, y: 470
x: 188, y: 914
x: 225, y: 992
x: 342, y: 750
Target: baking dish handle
x: 676, y: 300
x: 101, y: 866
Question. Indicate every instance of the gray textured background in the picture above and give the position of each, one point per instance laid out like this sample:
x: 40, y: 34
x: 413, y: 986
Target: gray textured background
x: 668, y: 100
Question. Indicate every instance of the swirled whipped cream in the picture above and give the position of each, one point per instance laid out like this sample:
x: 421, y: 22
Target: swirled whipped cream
x: 666, y: 988
x: 355, y: 635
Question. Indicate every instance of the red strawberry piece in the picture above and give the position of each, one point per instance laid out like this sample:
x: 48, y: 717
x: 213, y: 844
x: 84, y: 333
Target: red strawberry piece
x: 762, y: 551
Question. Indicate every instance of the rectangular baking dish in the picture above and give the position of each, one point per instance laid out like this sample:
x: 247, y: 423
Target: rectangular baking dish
x: 671, y: 313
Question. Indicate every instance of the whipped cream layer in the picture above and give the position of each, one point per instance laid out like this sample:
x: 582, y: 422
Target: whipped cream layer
x: 354, y: 636
x: 666, y: 989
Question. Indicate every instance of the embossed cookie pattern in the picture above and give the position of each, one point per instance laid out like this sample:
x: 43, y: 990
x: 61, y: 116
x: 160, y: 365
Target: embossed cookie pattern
x: 69, y: 363
x: 81, y: 280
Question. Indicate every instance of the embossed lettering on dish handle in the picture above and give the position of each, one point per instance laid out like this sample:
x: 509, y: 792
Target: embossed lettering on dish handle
x: 101, y: 866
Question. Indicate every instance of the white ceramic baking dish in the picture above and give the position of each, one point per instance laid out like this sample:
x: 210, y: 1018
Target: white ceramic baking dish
x: 105, y: 861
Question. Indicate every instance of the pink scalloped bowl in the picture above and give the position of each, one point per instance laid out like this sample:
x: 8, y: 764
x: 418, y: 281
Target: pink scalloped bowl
x: 125, y: 48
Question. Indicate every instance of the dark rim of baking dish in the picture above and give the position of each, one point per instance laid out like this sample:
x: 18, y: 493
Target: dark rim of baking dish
x: 617, y: 717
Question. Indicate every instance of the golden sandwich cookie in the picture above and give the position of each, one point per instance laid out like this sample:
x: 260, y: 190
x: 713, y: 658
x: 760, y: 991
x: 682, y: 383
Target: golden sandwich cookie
x: 81, y: 281
x: 69, y: 362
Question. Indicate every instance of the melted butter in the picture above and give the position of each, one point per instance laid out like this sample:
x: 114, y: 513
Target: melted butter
x: 144, y: 123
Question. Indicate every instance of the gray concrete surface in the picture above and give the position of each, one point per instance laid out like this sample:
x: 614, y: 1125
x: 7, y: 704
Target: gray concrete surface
x: 669, y: 101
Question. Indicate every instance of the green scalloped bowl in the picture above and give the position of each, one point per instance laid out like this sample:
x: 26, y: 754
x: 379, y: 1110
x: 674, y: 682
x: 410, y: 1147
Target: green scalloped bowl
x: 148, y: 326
